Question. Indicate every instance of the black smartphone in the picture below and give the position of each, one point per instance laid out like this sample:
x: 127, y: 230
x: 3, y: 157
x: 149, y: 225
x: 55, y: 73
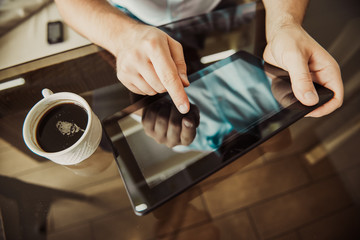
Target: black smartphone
x: 55, y: 32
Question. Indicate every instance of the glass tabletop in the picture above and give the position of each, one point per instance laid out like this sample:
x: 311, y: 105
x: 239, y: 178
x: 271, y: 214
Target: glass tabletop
x: 301, y: 183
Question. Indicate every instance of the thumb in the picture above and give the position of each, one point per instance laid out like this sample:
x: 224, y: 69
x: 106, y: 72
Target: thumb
x: 301, y: 80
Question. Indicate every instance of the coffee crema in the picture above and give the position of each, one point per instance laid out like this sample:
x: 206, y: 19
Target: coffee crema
x: 61, y: 127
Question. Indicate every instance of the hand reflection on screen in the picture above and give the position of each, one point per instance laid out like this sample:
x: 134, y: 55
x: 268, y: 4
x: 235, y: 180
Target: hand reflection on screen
x: 166, y: 125
x: 280, y: 88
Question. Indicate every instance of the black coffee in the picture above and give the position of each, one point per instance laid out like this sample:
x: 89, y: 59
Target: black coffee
x: 61, y: 127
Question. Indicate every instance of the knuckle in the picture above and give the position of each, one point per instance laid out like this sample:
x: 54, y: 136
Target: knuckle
x: 150, y: 43
x: 150, y: 92
x: 168, y: 77
x: 123, y: 69
x: 180, y: 63
x: 158, y: 87
x: 161, y: 122
x: 176, y: 124
x: 135, y: 91
x: 160, y: 139
x: 171, y: 144
x: 186, y: 140
x: 136, y: 56
x: 178, y: 45
x: 302, y: 78
x: 148, y: 132
x: 302, y: 82
x: 153, y: 42
x: 161, y: 90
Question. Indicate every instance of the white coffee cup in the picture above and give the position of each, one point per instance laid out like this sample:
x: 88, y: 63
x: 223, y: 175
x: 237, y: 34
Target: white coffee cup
x: 79, y: 151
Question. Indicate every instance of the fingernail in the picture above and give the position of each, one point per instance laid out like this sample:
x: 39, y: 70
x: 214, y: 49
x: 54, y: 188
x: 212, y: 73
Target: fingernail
x: 310, y: 96
x: 187, y: 123
x: 184, y: 78
x: 183, y: 108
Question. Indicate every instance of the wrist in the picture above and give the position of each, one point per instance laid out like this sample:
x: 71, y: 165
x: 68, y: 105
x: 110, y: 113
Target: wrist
x: 274, y: 24
x: 120, y: 33
x: 282, y: 14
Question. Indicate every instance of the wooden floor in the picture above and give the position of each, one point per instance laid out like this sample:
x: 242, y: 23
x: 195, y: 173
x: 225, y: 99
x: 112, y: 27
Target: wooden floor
x: 279, y: 195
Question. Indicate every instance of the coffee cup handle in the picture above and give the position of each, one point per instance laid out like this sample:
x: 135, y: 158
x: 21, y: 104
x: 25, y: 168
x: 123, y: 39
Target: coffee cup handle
x: 46, y: 92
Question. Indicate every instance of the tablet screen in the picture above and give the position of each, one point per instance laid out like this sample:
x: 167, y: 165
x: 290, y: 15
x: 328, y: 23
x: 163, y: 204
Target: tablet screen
x: 236, y: 104
x: 226, y: 99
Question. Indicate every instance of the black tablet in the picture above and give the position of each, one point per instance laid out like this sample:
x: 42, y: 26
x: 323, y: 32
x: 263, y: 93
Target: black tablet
x: 236, y: 104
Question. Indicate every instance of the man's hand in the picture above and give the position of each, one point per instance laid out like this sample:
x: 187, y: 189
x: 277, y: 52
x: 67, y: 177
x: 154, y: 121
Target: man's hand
x: 150, y: 62
x: 292, y: 49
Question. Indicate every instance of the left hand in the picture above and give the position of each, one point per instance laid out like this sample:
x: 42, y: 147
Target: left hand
x: 293, y: 50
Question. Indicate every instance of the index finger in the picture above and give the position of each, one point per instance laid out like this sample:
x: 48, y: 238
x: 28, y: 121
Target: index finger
x: 167, y: 72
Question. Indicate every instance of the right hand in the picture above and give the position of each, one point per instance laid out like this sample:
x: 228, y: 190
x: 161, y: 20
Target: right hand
x: 151, y: 62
